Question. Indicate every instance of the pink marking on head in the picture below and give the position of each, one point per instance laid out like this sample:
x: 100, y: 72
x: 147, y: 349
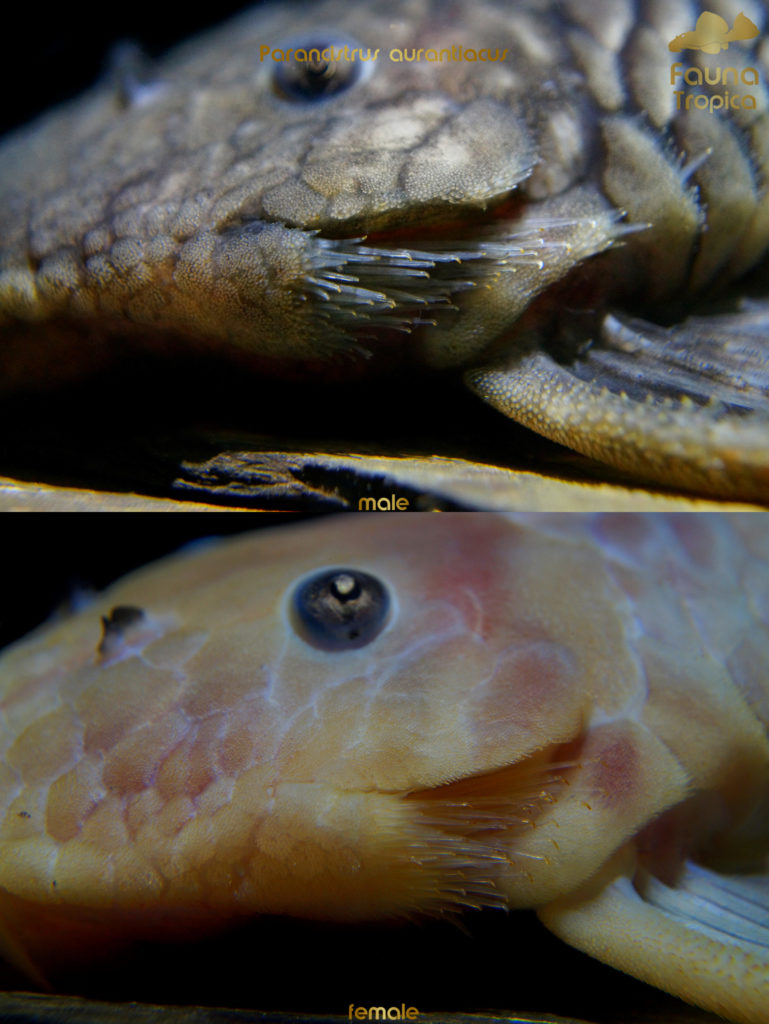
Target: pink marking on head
x: 473, y: 572
x: 120, y: 700
x: 193, y: 765
x: 71, y: 800
x: 530, y: 679
x: 239, y: 746
x: 616, y: 770
x: 132, y: 764
x: 50, y: 745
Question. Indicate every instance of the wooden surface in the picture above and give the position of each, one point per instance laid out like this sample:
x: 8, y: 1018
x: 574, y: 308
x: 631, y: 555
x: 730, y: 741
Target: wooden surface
x: 27, y: 1008
x: 211, y: 439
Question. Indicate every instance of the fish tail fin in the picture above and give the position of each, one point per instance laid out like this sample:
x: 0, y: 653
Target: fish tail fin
x: 743, y: 28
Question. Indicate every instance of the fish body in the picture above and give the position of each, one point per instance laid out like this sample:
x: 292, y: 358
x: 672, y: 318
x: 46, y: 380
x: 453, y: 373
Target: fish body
x: 491, y: 187
x: 380, y: 717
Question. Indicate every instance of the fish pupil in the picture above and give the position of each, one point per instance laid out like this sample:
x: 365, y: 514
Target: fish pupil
x: 318, y: 74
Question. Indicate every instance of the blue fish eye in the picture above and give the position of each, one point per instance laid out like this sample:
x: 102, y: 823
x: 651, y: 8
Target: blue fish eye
x: 318, y: 67
x: 340, y: 609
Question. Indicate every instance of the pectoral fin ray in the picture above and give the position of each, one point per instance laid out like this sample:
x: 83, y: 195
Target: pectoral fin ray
x: 687, y: 405
x: 687, y: 939
x: 721, y: 358
x: 726, y: 907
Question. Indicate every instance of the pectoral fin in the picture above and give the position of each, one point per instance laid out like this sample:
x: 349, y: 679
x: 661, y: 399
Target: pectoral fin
x: 705, y: 940
x: 686, y: 406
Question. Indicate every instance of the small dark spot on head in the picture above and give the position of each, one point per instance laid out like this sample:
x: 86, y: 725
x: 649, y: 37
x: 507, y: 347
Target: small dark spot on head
x: 122, y: 617
x: 24, y: 814
x: 133, y: 75
x: 116, y: 625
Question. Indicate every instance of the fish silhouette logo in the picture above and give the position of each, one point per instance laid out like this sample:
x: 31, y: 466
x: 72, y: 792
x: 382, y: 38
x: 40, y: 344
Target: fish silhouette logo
x: 712, y: 34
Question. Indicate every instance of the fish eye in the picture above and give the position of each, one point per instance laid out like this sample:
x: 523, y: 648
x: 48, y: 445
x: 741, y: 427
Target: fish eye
x: 317, y: 67
x: 340, y: 609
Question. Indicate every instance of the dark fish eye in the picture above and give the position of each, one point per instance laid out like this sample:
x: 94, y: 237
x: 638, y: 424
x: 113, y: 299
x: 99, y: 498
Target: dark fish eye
x: 340, y: 609
x: 319, y: 67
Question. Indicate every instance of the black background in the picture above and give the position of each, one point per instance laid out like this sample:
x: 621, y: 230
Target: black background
x: 52, y: 52
x: 48, y: 560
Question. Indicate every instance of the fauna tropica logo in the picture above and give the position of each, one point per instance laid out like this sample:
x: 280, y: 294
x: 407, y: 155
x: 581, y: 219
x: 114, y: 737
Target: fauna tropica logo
x: 711, y: 35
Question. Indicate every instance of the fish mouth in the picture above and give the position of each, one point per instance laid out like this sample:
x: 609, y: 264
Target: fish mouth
x: 425, y: 206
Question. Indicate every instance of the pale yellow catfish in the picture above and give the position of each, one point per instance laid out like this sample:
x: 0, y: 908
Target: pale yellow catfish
x: 376, y: 716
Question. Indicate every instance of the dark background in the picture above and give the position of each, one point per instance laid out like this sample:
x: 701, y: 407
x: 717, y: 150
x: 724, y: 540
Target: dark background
x: 51, y: 52
x: 48, y: 560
